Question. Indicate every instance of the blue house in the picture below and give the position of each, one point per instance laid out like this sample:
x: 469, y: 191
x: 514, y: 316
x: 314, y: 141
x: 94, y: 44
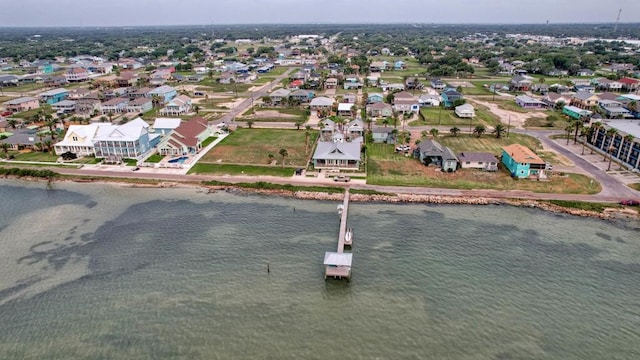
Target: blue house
x: 165, y: 92
x: 399, y: 65
x: 129, y: 141
x: 375, y: 98
x: 522, y: 162
x: 383, y: 135
x: 449, y: 96
x: 53, y: 96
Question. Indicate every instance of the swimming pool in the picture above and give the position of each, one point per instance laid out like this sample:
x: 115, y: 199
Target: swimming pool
x: 179, y: 160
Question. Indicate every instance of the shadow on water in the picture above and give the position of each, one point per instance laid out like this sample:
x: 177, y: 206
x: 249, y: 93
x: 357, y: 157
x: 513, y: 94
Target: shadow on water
x: 335, y: 289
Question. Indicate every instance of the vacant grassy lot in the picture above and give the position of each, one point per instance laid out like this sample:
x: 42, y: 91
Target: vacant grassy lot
x: 34, y: 156
x: 487, y: 143
x: 438, y: 116
x: 253, y: 146
x: 385, y: 167
x: 635, y: 186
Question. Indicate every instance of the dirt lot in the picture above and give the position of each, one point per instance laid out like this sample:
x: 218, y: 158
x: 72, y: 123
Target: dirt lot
x: 270, y: 114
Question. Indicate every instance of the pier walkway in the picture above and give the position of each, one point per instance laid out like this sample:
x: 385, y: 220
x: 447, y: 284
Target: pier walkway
x: 338, y: 264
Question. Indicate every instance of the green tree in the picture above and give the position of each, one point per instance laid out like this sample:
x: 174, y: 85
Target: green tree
x: 569, y: 130
x: 434, y: 132
x: 284, y: 153
x: 250, y: 123
x: 5, y: 149
x: 628, y: 139
x: 299, y: 123
x: 609, y: 135
x: 584, y: 133
x: 595, y: 128
x: 454, y: 131
x: 271, y: 157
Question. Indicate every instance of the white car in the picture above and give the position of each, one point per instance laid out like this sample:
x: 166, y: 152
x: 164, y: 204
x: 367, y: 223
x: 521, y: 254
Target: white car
x: 403, y: 148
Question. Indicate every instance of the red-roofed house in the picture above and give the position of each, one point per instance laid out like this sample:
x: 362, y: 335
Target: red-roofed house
x: 295, y: 84
x: 77, y: 74
x: 629, y: 84
x: 186, y: 138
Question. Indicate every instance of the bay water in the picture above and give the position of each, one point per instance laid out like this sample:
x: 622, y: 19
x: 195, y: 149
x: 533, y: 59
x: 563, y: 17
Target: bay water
x: 99, y: 271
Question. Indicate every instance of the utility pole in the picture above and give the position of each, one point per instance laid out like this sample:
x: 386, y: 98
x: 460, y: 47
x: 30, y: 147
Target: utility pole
x: 509, y: 126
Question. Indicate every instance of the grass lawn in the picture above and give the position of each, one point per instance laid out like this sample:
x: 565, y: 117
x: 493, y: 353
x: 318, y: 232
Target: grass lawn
x: 233, y: 169
x: 487, y: 143
x: 253, y: 146
x: 208, y: 141
x: 155, y: 158
x: 29, y: 114
x: 635, y: 186
x: 541, y: 123
x: 447, y: 118
x: 384, y: 167
x: 212, y: 85
x: 35, y: 156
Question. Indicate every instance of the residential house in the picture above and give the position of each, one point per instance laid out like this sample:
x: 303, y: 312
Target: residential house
x: 345, y: 109
x: 553, y: 99
x: 355, y: 129
x: 522, y: 162
x: 164, y: 93
x: 383, y: 135
x: 405, y: 102
x: 331, y: 83
x: 129, y: 141
x: 392, y: 87
x: 352, y: 82
x: 379, y: 109
x: 337, y: 154
x: 478, y: 160
x: 614, y: 109
x: 349, y: 98
x: 378, y: 66
x: 115, y: 106
x: 279, y: 96
x: 608, y: 85
x: 506, y: 68
x: 115, y: 93
x: 585, y: 72
x: 438, y: 84
x: 431, y: 152
x: 321, y: 103
x: 78, y: 93
x: 412, y: 83
x: 465, y: 111
x: 22, y: 104
x: 126, y: 79
x: 140, y: 93
x: 302, y: 96
x: 629, y: 84
x: 76, y: 74
x: 8, y: 80
x: 87, y: 105
x: 78, y: 140
x: 53, y: 96
x: 399, y: 65
x: 22, y: 139
x: 427, y: 100
x: 585, y: 100
x: 106, y: 81
x: 64, y: 107
x: 164, y: 126
x: 527, y: 102
x: 521, y: 83
x: 577, y: 113
x: 186, y: 138
x: 227, y: 78
x: 375, y: 98
x: 449, y: 96
x: 245, y: 78
x: 178, y: 106
x: 140, y: 105
x: 585, y: 88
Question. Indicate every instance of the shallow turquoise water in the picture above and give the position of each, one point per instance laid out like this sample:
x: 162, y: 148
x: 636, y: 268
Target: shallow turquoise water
x: 94, y: 271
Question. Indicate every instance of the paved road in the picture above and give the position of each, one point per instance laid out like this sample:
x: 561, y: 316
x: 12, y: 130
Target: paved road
x: 610, y: 185
x: 240, y: 108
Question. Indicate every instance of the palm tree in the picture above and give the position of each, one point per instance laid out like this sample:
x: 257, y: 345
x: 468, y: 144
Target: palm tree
x: 12, y: 123
x: 51, y: 124
x: 479, y: 130
x: 271, y: 157
x: 434, y: 133
x: 385, y: 121
x: 610, y: 151
x: 307, y: 136
x: 584, y: 133
x: 196, y: 108
x: 498, y: 130
x: 47, y: 144
x: 610, y: 134
x: 424, y: 133
x: 299, y: 123
x: 568, y: 129
x: 454, y: 131
x: 5, y: 149
x: 284, y: 153
x: 577, y: 125
x: 250, y: 123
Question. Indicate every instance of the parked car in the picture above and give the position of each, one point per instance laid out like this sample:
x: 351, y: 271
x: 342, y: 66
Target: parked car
x: 342, y: 178
x: 403, y: 148
x: 6, y: 113
x: 630, y: 202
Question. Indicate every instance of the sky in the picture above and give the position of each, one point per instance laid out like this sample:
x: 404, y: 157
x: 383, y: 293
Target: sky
x: 27, y: 13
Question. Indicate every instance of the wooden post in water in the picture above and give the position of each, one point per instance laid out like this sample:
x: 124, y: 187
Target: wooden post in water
x: 268, y: 269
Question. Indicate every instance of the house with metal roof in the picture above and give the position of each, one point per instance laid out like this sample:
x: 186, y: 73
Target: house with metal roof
x: 431, y: 152
x: 465, y: 111
x: 522, y: 162
x: 478, y: 160
x: 337, y: 154
x: 131, y: 141
x: 53, y: 96
x: 22, y: 104
x: 527, y: 102
x: 78, y: 140
x: 164, y: 126
x: 186, y: 138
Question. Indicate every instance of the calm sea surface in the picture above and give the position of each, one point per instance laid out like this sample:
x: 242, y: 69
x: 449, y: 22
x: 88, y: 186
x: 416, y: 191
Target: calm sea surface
x: 90, y: 271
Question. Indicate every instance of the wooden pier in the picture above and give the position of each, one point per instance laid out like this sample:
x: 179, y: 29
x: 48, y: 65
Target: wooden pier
x: 338, y: 264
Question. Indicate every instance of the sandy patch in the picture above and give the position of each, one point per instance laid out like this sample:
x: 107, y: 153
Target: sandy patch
x: 270, y: 114
x: 517, y: 119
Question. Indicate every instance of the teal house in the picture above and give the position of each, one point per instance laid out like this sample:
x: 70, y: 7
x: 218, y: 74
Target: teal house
x: 53, y: 96
x: 522, y: 162
x: 576, y: 113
